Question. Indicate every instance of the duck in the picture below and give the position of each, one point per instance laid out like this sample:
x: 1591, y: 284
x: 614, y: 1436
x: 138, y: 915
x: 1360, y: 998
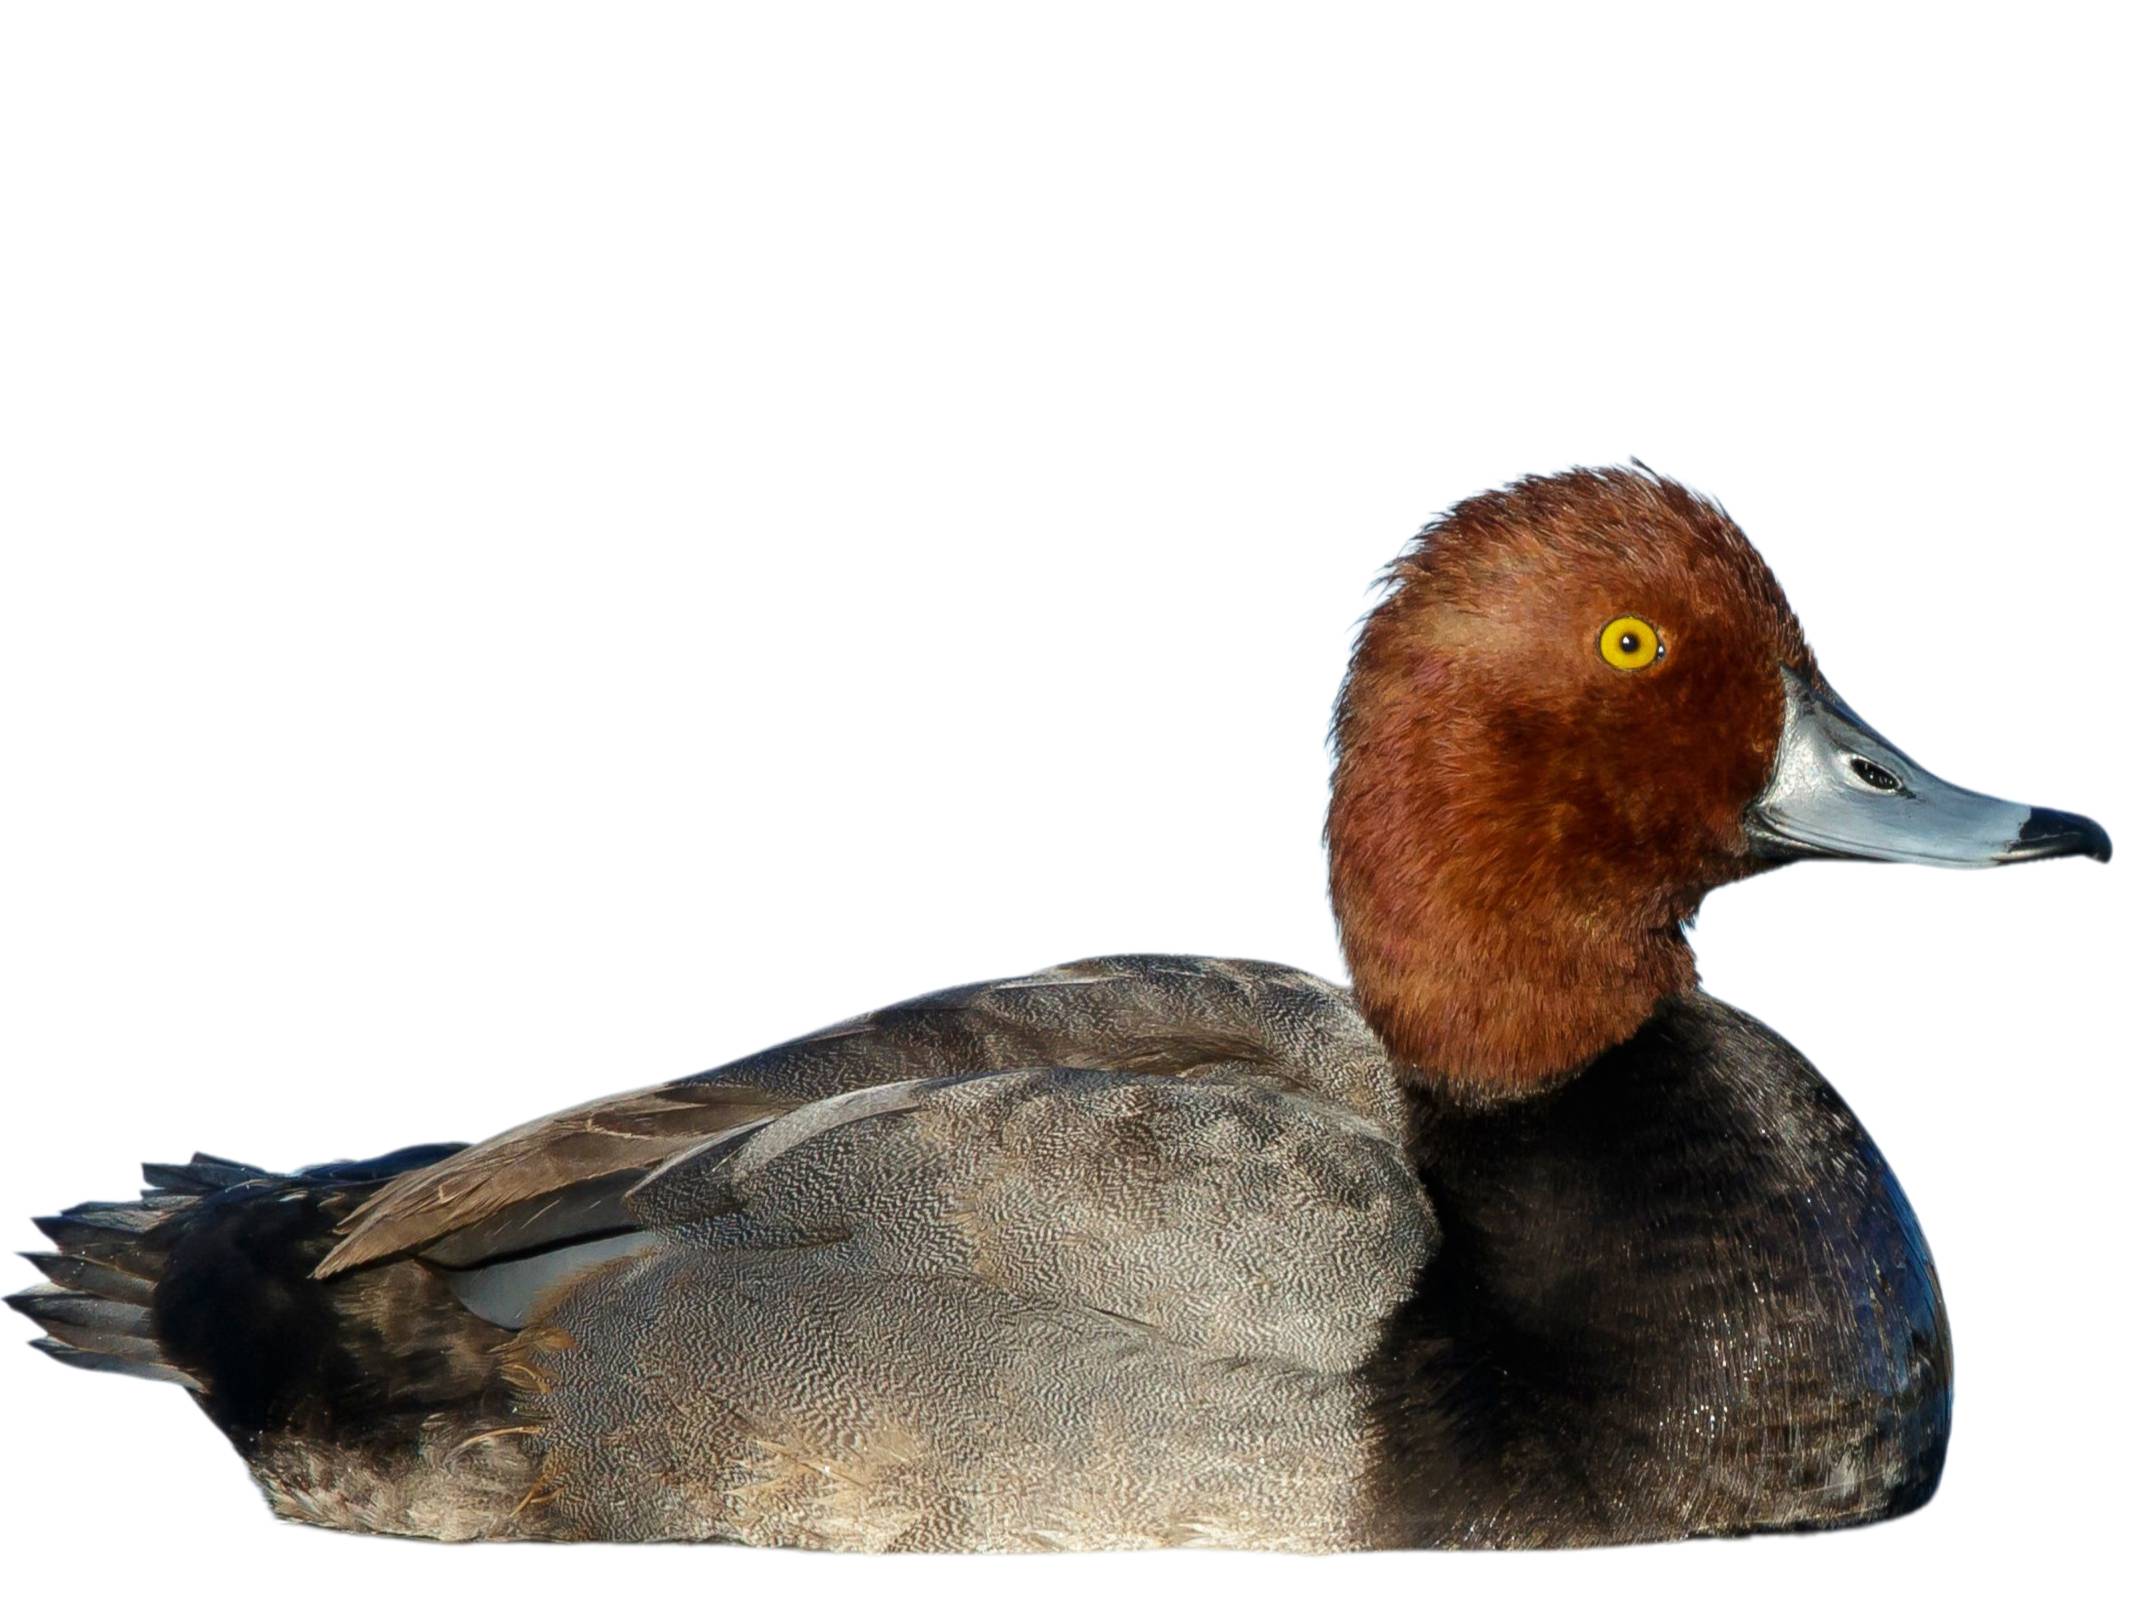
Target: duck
x: 1518, y: 1239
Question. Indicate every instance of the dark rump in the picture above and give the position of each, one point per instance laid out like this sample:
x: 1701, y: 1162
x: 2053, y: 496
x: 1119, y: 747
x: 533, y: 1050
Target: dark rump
x: 206, y: 1280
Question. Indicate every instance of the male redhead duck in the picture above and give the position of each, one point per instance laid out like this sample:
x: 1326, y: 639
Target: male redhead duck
x: 1522, y: 1240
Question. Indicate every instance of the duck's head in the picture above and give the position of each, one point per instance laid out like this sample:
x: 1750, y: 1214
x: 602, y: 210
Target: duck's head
x: 1582, y: 704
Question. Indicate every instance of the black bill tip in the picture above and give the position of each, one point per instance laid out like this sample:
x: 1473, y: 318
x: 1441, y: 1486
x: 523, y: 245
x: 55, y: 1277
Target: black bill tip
x: 2048, y: 833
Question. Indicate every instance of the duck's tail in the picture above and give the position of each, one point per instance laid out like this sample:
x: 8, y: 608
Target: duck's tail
x: 97, y: 1307
x: 204, y: 1281
x: 347, y: 1397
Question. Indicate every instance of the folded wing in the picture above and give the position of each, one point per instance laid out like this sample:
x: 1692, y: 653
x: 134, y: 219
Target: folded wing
x: 564, y: 1177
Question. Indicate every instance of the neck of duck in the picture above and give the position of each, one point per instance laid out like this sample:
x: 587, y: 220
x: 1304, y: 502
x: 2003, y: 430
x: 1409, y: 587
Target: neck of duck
x: 1493, y: 950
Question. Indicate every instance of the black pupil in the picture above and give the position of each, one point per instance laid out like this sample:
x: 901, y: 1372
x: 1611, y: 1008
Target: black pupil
x: 1879, y: 776
x: 1629, y: 643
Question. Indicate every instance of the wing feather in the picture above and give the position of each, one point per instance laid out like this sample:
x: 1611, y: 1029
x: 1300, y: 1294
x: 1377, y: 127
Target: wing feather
x: 1171, y: 1016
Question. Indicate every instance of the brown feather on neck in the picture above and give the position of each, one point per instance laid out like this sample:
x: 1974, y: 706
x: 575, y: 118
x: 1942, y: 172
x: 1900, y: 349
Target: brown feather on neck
x: 1491, y: 993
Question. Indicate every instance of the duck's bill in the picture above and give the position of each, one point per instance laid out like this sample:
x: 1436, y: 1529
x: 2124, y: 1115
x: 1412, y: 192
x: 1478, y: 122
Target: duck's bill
x: 1842, y: 792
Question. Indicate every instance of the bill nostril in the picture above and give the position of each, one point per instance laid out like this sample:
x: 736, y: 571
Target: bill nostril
x: 1875, y: 775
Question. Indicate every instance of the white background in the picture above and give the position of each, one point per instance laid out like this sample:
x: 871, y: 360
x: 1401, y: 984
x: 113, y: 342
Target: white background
x: 547, y: 548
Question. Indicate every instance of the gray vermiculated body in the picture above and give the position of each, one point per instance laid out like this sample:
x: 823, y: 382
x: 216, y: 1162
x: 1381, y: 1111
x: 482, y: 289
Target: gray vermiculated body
x: 1132, y: 1252
x: 1114, y: 1286
x: 1044, y: 1309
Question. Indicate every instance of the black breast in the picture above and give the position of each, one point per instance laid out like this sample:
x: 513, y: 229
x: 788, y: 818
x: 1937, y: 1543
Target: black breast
x: 1682, y: 1295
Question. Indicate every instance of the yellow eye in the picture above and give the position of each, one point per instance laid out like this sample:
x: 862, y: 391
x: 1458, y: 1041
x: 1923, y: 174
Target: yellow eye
x: 1629, y: 643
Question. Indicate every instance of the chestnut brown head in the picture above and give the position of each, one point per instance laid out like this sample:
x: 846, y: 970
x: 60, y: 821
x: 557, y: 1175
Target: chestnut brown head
x: 1581, y: 705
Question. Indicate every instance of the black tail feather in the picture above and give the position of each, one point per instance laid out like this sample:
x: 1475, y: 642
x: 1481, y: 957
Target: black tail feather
x: 53, y: 1307
x: 103, y: 1231
x: 90, y: 1360
x: 95, y: 1276
x: 203, y: 1173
